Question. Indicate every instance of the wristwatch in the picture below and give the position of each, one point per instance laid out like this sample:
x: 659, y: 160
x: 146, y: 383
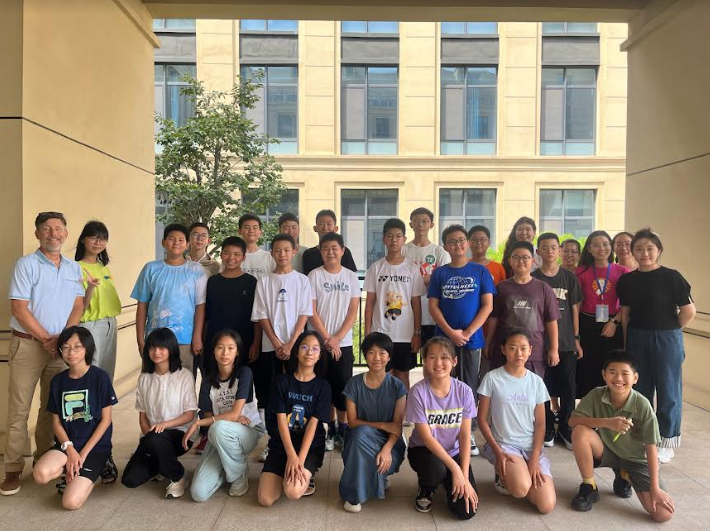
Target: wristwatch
x: 578, y: 337
x: 417, y: 332
x: 65, y: 445
x: 613, y: 320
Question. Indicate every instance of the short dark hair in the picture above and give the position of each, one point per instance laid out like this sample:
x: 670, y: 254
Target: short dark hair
x: 647, y: 234
x: 322, y: 365
x: 516, y: 332
x: 248, y: 217
x: 573, y: 242
x: 176, y: 227
x: 619, y: 356
x: 85, y: 338
x: 394, y: 223
x: 479, y: 228
x: 332, y: 237
x: 547, y: 236
x: 235, y: 241
x: 377, y: 339
x: 283, y: 238
x: 522, y: 245
x: 288, y: 216
x: 211, y: 364
x: 97, y: 229
x: 326, y: 213
x: 161, y: 338
x: 197, y: 225
x: 445, y: 344
x: 421, y: 210
x: 451, y: 229
x: 42, y: 217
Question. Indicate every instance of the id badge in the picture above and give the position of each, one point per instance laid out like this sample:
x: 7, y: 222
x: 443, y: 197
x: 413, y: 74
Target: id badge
x: 602, y: 313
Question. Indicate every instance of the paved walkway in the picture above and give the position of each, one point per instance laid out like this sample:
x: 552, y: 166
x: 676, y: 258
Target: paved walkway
x: 115, y: 507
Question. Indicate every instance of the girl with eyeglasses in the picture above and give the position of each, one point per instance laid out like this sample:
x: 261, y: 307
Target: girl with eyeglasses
x: 571, y: 251
x: 298, y: 406
x: 599, y: 325
x: 622, y: 250
x: 101, y: 306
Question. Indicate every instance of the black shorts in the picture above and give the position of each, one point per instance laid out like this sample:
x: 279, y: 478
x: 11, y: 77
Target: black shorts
x: 93, y: 464
x: 402, y: 359
x: 639, y: 475
x: 427, y: 333
x: 339, y: 374
x: 277, y: 459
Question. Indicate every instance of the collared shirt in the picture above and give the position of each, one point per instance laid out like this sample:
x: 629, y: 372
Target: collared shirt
x: 631, y: 445
x: 50, y: 290
x: 211, y: 266
x: 164, y: 397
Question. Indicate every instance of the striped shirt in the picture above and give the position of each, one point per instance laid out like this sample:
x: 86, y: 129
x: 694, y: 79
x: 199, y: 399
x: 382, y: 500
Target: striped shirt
x: 50, y: 290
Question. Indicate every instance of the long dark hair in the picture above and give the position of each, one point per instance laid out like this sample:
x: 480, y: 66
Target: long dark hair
x: 92, y: 228
x: 586, y: 259
x: 85, y: 338
x: 512, y: 239
x: 162, y: 338
x: 321, y: 366
x: 211, y: 362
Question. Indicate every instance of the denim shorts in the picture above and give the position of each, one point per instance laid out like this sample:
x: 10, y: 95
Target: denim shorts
x: 518, y: 452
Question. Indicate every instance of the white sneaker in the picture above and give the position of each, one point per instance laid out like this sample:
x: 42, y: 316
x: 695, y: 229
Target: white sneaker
x: 665, y: 455
x: 239, y: 486
x: 474, y: 449
x: 176, y: 489
x: 329, y: 443
x: 352, y: 508
x: 264, y: 454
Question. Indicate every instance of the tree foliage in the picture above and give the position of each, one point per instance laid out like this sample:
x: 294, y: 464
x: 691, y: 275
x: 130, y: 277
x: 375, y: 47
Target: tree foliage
x: 205, y: 167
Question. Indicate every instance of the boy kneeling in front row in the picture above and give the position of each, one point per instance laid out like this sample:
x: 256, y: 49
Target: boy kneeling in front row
x: 615, y: 427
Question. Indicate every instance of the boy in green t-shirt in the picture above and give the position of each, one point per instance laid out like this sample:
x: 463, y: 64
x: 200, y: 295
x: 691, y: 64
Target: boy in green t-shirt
x: 615, y: 427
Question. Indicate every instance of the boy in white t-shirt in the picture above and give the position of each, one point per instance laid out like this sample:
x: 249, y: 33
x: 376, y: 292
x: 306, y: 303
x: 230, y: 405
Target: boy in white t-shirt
x: 427, y: 256
x: 336, y: 296
x: 282, y: 305
x: 257, y: 262
x: 394, y: 292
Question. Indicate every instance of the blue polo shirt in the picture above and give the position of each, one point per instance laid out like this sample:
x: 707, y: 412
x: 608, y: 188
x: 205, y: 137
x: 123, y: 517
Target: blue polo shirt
x: 50, y: 290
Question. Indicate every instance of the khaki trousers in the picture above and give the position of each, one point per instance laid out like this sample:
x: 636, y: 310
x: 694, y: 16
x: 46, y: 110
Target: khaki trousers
x: 187, y: 359
x: 29, y: 364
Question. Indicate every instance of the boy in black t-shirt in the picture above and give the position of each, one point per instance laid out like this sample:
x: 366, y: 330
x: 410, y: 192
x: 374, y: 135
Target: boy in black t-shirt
x: 560, y: 379
x: 325, y: 223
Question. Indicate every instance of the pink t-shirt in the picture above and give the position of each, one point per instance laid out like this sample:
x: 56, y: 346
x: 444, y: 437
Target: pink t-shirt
x: 592, y: 291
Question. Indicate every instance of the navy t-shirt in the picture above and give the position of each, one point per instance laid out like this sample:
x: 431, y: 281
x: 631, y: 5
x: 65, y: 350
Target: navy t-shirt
x: 300, y: 401
x: 459, y: 291
x: 79, y: 402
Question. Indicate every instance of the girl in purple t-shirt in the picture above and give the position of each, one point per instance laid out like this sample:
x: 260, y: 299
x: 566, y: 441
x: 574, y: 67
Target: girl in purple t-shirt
x: 442, y: 408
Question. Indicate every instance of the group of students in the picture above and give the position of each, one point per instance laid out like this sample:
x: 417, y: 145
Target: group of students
x: 275, y: 350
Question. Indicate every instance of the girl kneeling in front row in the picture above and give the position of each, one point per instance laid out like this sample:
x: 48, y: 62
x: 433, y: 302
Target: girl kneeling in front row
x: 442, y: 408
x: 298, y: 407
x: 166, y: 404
x: 230, y: 414
x: 80, y: 400
x: 511, y: 416
x: 374, y: 448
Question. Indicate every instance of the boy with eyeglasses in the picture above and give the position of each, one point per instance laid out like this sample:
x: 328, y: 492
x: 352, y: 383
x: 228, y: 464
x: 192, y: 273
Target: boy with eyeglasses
x: 460, y: 300
x: 394, y: 290
x: 527, y: 303
x: 479, y: 239
x: 199, y: 241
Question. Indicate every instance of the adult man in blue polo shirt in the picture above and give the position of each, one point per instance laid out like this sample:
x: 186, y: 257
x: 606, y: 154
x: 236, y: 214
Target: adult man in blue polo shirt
x: 47, y: 295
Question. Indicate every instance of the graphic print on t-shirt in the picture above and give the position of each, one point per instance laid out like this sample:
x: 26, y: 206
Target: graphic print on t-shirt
x: 596, y: 289
x: 458, y: 287
x: 426, y: 268
x: 282, y: 296
x: 75, y: 406
x: 394, y: 305
x: 444, y: 418
x: 520, y: 314
x: 297, y: 418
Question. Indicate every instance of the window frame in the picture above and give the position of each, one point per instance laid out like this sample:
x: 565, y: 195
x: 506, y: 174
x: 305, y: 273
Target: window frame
x: 491, y: 227
x: 562, y: 219
x: 367, y: 32
x: 466, y: 33
x: 266, y: 30
x: 165, y: 29
x: 566, y: 31
x: 166, y: 84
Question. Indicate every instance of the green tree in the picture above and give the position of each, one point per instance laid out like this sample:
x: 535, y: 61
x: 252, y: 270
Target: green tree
x: 204, y: 167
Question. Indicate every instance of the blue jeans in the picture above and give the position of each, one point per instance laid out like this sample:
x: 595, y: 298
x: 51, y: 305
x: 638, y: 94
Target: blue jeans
x: 659, y: 356
x: 225, y: 457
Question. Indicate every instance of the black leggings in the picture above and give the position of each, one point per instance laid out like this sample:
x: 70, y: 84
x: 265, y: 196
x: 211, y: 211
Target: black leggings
x: 560, y: 382
x: 157, y: 453
x: 432, y: 472
x: 595, y: 347
x: 265, y: 369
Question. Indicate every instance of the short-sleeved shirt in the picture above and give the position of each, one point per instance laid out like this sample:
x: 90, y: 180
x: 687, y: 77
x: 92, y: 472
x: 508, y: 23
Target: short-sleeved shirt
x: 568, y: 293
x: 210, y: 265
x: 297, y: 260
x: 281, y: 299
x: 375, y: 405
x: 220, y: 400
x: 513, y: 403
x: 50, y: 290
x: 427, y: 259
x: 229, y: 304
x: 79, y: 403
x: 300, y: 401
x: 258, y: 264
x: 104, y: 299
x: 459, y: 291
x: 172, y: 294
x: 164, y: 397
x: 527, y: 306
x: 631, y: 445
x: 443, y: 415
x: 333, y: 294
x: 654, y: 298
x: 394, y: 285
x: 591, y: 289
x: 312, y: 258
x: 497, y: 271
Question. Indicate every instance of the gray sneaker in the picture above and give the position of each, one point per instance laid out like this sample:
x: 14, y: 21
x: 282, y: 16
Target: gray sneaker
x: 239, y: 486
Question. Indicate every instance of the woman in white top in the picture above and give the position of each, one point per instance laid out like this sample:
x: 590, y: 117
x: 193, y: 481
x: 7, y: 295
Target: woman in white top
x: 166, y: 403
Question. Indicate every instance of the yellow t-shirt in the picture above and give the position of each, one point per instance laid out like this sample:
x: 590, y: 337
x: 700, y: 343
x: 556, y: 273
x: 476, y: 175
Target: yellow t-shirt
x: 104, y: 301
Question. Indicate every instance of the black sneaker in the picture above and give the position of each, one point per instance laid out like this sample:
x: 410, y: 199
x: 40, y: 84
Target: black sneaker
x: 622, y: 488
x: 424, y: 500
x: 565, y: 434
x: 110, y: 472
x: 549, y: 437
x: 585, y: 498
x: 61, y: 485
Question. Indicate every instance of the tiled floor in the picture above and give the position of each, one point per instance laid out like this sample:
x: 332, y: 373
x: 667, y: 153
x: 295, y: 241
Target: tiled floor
x: 687, y: 478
